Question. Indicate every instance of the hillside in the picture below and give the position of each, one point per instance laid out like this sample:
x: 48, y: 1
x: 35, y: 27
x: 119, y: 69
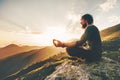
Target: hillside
x: 19, y: 61
x: 111, y: 33
x: 47, y: 66
x: 13, y: 49
x: 62, y: 67
x: 111, y: 38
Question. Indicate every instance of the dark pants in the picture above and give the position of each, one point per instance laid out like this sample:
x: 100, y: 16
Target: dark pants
x: 82, y: 53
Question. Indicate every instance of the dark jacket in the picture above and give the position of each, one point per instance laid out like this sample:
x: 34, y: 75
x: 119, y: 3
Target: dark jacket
x: 91, y: 38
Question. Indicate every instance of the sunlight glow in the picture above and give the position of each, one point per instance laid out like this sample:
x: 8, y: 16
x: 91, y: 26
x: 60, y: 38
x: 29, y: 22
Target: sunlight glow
x: 43, y: 39
x: 57, y: 33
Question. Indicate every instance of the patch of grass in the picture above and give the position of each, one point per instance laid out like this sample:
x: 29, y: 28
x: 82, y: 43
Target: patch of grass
x: 115, y: 55
x: 112, y: 45
x: 40, y: 73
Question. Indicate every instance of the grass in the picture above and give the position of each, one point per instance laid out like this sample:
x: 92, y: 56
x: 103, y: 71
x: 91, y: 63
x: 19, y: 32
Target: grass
x: 40, y: 73
x: 115, y: 55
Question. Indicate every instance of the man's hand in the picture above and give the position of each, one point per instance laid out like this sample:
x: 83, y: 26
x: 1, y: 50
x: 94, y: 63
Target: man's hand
x: 57, y: 43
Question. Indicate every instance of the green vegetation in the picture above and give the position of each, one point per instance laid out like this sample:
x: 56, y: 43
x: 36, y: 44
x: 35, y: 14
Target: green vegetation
x: 115, y: 55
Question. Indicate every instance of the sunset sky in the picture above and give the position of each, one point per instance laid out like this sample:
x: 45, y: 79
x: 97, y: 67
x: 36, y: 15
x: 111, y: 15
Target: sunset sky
x: 25, y: 21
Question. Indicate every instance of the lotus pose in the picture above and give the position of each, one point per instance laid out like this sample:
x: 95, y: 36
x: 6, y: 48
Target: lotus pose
x: 89, y: 46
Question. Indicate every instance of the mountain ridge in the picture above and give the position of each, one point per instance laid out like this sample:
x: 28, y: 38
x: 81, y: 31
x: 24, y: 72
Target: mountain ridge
x: 110, y: 33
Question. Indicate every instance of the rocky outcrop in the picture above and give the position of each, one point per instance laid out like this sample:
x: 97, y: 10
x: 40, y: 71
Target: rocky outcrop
x: 106, y: 69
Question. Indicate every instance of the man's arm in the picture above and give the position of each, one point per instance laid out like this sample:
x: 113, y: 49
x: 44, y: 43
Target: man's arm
x: 69, y: 44
x: 78, y: 42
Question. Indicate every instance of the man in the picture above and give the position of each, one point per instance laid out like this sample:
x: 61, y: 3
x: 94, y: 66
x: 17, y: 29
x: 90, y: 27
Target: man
x: 89, y: 46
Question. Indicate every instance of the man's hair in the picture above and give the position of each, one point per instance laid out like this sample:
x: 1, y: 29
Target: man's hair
x: 88, y: 18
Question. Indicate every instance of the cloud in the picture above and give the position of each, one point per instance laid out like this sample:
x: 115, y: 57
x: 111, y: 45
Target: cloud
x: 73, y: 25
x: 108, y: 5
x: 114, y: 19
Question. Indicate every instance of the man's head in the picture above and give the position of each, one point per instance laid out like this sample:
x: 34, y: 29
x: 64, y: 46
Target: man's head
x: 86, y: 19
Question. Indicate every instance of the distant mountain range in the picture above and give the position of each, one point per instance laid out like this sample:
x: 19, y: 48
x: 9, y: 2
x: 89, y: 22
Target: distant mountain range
x: 13, y: 49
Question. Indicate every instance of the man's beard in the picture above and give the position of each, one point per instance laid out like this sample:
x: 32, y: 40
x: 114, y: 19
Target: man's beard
x: 84, y: 26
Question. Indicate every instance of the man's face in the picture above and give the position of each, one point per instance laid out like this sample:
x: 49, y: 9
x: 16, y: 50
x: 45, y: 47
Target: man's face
x: 83, y: 23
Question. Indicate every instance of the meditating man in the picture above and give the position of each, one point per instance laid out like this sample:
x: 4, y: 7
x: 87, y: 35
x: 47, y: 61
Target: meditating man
x: 89, y: 47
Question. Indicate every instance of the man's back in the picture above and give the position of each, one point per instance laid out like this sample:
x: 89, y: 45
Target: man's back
x: 94, y: 39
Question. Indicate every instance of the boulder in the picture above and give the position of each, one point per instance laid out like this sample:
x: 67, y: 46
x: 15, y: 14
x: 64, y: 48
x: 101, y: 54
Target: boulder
x: 106, y: 69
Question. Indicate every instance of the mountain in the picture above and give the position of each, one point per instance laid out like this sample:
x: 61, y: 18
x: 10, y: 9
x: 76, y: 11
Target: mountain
x: 61, y: 67
x: 13, y: 49
x: 13, y: 64
x: 111, y: 33
x: 45, y: 66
